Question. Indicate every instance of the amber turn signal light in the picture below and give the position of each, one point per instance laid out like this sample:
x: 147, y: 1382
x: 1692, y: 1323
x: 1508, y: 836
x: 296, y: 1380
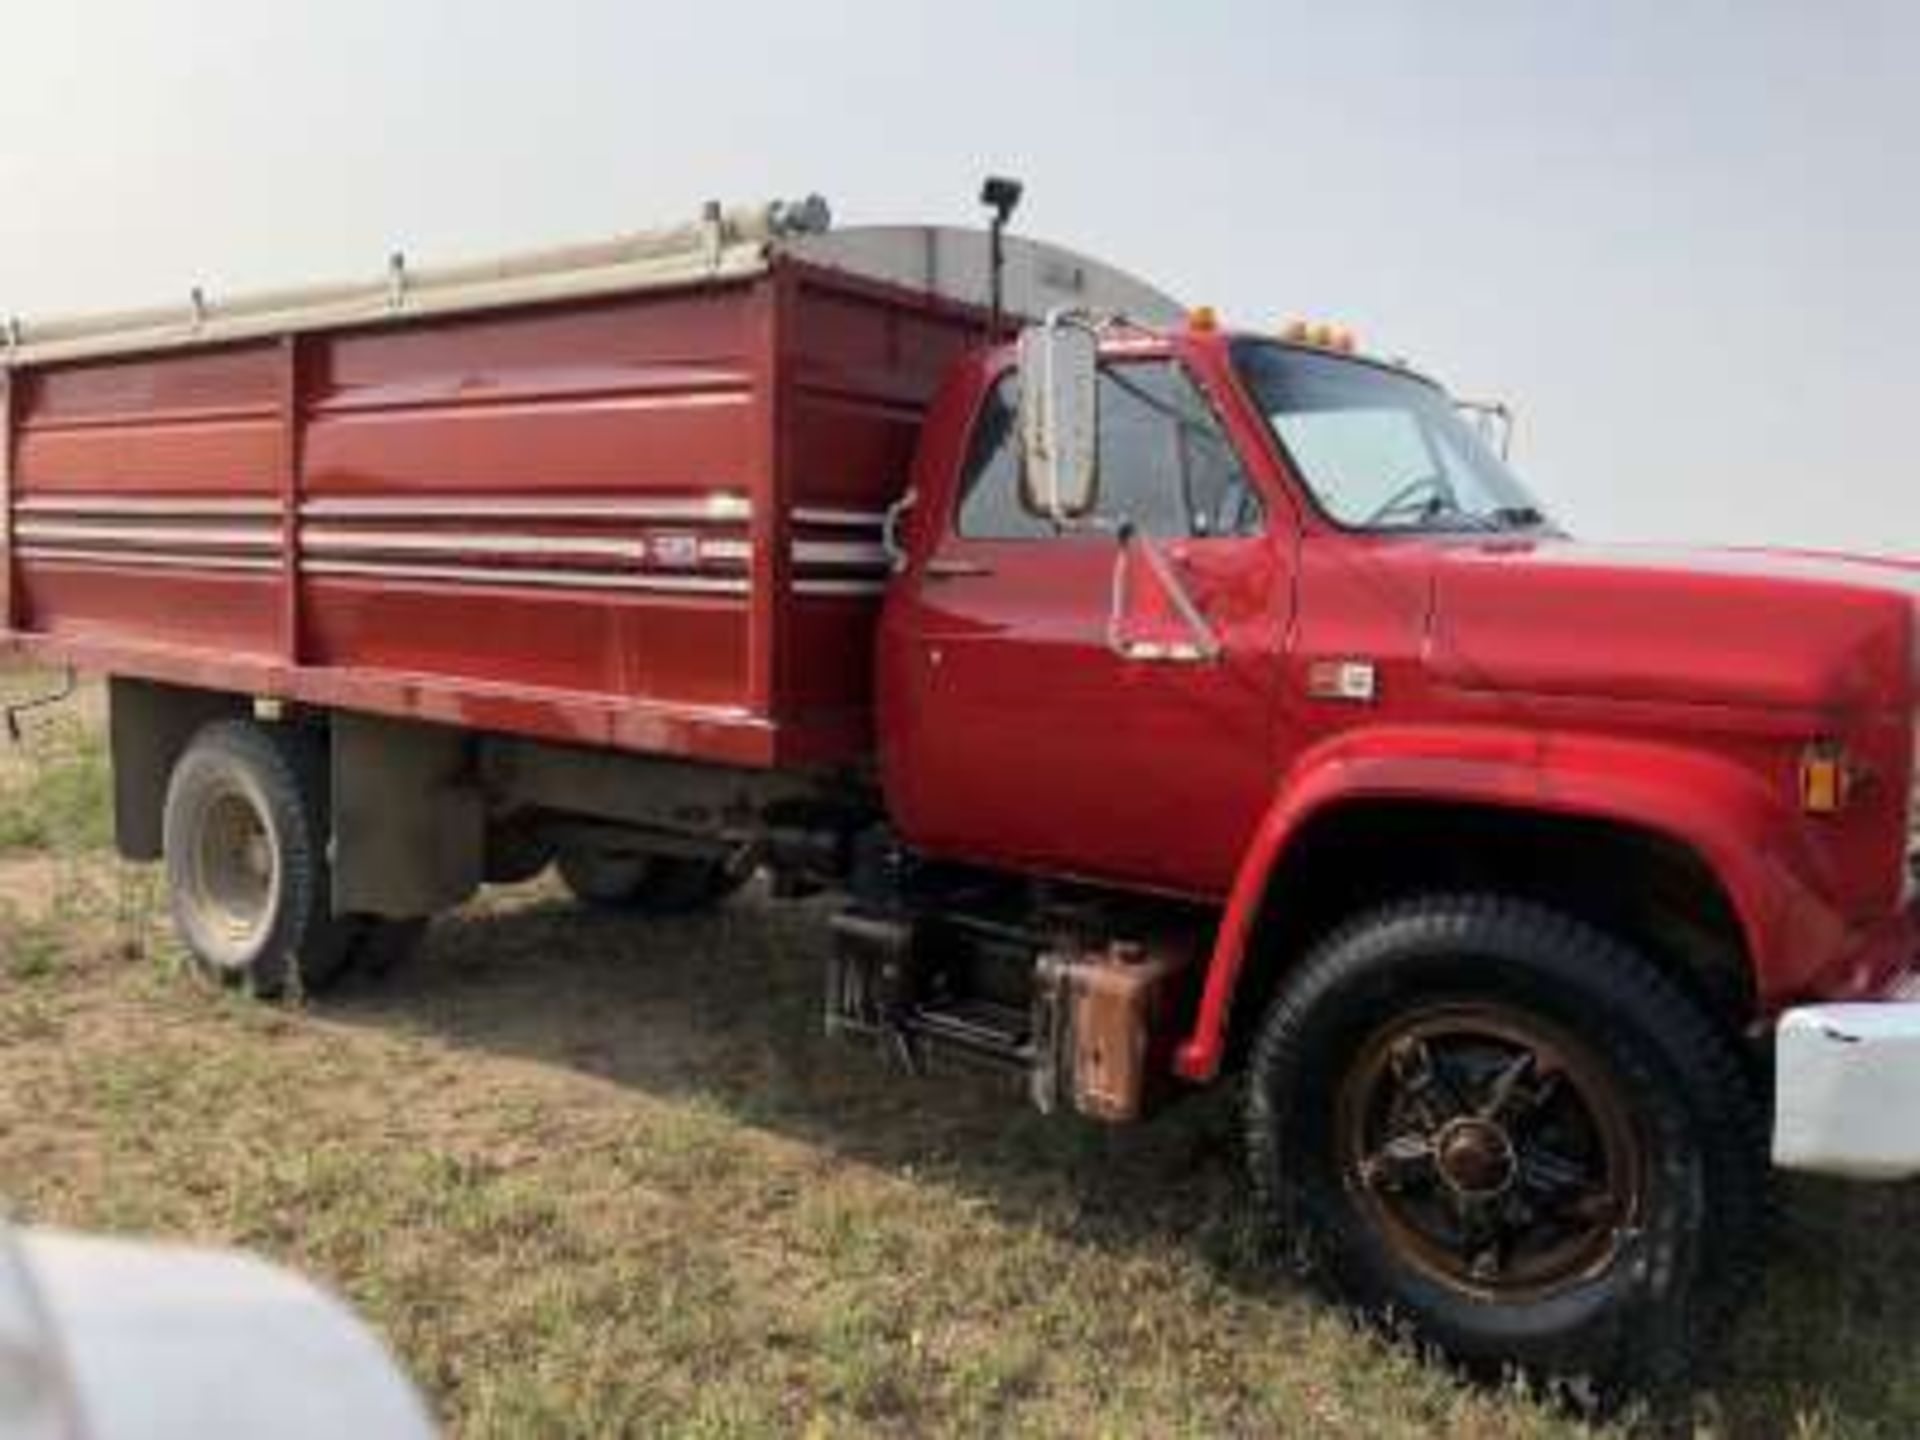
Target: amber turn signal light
x: 1825, y: 779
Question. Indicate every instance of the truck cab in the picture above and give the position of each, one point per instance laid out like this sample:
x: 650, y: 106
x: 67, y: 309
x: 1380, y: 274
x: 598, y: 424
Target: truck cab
x: 1516, y: 859
x: 1301, y: 580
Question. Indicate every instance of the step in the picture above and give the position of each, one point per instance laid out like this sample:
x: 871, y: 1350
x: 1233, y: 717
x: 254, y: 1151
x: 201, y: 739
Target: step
x: 982, y: 1028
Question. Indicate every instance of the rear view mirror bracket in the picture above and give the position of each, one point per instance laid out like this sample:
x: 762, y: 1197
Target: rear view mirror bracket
x: 1493, y: 421
x: 1203, y: 649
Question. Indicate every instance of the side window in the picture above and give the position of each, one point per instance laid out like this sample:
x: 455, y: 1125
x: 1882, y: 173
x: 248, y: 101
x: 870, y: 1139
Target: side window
x: 1164, y: 462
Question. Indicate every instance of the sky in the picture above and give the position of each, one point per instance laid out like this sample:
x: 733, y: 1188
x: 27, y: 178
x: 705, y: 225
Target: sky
x: 1678, y: 238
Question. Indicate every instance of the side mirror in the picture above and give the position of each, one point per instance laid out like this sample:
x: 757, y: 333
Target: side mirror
x: 1059, y: 420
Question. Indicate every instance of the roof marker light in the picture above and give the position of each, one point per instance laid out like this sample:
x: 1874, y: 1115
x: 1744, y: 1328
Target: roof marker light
x: 1336, y: 338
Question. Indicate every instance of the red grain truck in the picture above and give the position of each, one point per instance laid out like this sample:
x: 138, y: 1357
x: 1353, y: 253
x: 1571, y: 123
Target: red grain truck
x: 1169, y: 704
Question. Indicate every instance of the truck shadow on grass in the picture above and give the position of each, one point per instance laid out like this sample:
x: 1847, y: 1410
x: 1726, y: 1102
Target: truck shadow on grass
x: 726, y: 1010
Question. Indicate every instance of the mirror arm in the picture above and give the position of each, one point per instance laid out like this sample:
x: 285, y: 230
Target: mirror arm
x: 1491, y: 410
x: 1205, y: 647
x: 1117, y: 595
x: 890, y: 542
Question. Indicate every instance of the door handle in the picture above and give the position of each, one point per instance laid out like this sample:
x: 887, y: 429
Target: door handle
x: 950, y: 569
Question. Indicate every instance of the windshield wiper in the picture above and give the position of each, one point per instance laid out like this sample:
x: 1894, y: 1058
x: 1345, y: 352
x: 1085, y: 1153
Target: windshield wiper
x: 1515, y: 517
x: 1454, y: 515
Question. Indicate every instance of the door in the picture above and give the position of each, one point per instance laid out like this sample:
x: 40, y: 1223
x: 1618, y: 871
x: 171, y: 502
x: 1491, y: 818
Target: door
x: 1025, y: 738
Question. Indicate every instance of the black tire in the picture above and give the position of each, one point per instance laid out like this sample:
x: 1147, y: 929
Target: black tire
x: 1603, y: 1220
x: 381, y: 946
x: 649, y: 884
x: 516, y: 853
x: 246, y: 829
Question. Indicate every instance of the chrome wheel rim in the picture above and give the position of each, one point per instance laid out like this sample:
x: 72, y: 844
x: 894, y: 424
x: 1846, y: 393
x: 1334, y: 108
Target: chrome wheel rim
x: 1490, y: 1150
x: 233, y: 877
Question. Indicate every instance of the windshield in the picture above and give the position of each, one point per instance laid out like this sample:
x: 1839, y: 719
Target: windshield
x: 1379, y: 449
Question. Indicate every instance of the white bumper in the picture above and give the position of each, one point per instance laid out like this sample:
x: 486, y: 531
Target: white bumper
x: 1847, y: 1090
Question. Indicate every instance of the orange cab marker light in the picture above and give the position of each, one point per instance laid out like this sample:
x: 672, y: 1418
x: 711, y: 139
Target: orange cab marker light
x: 1824, y: 780
x: 1336, y: 338
x: 1202, y: 317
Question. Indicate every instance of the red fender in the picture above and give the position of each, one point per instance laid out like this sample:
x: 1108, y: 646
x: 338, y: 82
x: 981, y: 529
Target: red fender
x: 1725, y: 814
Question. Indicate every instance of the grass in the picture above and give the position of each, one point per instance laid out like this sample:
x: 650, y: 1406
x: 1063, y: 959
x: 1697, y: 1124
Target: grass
x: 59, y: 803
x: 592, y: 1177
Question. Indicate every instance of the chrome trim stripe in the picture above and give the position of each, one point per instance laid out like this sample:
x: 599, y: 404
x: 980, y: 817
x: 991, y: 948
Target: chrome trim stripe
x: 839, y: 587
x: 712, y: 508
x: 141, y: 560
x: 161, y: 533
x: 319, y: 539
x: 718, y: 506
x: 266, y: 537
x: 549, y: 579
x: 710, y: 392
x: 453, y: 573
x: 839, y: 554
x: 146, y: 507
x: 826, y: 515
x: 732, y: 550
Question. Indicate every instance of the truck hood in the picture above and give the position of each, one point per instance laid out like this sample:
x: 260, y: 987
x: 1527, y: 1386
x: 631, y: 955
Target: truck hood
x: 1775, y: 628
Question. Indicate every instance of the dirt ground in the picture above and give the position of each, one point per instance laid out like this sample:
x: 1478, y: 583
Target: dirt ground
x: 593, y: 1177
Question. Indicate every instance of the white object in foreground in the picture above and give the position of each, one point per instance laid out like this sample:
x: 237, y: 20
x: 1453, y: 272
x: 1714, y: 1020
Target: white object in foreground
x: 1847, y: 1090
x: 122, y: 1340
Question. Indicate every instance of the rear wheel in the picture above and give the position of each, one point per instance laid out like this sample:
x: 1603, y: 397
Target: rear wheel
x: 1505, y: 1129
x: 246, y: 830
x: 653, y: 884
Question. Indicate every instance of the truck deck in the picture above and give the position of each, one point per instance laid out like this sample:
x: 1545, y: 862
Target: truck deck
x: 628, y: 495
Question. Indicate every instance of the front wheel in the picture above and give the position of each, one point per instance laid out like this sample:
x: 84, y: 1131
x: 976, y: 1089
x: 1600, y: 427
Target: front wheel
x: 1512, y: 1133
